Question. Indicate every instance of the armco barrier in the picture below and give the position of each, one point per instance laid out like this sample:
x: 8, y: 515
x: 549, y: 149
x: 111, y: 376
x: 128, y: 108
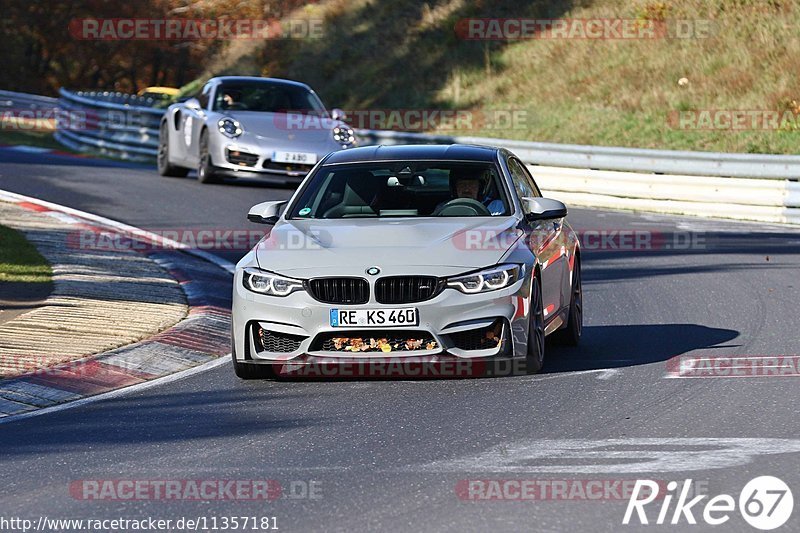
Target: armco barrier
x: 740, y: 186
x: 615, y: 158
x: 765, y: 200
x: 10, y: 100
x: 115, y: 124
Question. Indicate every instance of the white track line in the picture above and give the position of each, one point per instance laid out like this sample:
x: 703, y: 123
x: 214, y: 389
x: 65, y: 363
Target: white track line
x: 609, y: 373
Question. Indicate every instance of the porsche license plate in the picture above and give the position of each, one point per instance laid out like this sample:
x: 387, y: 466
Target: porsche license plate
x: 303, y: 158
x: 374, y: 318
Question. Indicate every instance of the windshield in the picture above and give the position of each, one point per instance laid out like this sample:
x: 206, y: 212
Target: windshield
x: 267, y: 96
x: 403, y: 189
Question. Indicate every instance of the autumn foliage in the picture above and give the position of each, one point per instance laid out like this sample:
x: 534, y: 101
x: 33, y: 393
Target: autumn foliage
x: 41, y: 54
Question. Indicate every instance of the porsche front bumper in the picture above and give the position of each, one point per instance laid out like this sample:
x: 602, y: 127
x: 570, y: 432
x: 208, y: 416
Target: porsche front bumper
x: 249, y: 156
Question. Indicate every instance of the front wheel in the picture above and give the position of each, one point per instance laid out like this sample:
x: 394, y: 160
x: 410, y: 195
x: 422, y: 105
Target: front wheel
x: 252, y: 371
x: 534, y: 358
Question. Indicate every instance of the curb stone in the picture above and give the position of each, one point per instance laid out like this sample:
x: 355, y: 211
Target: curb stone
x: 199, y: 338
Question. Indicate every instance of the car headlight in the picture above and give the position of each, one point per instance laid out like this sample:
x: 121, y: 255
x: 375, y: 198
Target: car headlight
x: 230, y: 127
x: 491, y: 279
x: 344, y: 136
x: 264, y: 282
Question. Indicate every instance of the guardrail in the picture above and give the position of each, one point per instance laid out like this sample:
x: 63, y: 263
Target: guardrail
x: 615, y: 158
x: 741, y: 186
x: 114, y: 124
x: 10, y: 100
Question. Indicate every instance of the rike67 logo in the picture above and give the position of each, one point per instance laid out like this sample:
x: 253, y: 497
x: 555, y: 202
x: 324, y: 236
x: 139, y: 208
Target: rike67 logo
x: 765, y: 503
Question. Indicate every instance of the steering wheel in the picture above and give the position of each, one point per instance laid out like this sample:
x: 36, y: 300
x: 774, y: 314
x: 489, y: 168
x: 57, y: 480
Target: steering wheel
x: 463, y: 207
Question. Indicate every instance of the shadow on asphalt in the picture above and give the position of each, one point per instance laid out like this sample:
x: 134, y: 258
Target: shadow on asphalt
x: 256, y: 183
x: 634, y: 270
x: 19, y: 297
x: 156, y: 418
x: 9, y: 155
x: 634, y: 344
x: 48, y: 159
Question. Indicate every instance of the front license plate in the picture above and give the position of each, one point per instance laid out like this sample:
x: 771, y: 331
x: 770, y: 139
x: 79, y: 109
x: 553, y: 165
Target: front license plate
x: 374, y: 318
x: 304, y: 158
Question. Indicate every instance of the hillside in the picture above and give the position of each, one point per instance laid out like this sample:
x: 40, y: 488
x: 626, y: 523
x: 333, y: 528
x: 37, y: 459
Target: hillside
x: 407, y: 54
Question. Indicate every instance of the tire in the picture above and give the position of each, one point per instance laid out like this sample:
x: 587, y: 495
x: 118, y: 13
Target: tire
x: 534, y: 357
x: 206, y: 173
x: 165, y: 168
x: 252, y: 370
x: 571, y: 334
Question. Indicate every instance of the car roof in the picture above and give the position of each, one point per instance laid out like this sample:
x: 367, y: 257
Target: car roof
x: 223, y: 79
x: 444, y: 152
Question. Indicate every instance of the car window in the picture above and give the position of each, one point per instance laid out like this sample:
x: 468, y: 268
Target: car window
x: 522, y: 186
x: 266, y: 96
x: 203, y: 96
x: 529, y: 178
x: 403, y: 189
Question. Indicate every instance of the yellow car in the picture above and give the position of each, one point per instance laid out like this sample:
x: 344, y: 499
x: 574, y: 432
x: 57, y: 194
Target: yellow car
x: 160, y: 93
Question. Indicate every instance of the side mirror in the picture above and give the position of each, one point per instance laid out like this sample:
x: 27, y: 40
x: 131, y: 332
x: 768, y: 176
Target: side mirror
x: 193, y: 104
x: 266, y: 212
x: 338, y: 114
x: 543, y: 208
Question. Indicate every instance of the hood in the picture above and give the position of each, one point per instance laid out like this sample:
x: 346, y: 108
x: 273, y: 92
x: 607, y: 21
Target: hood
x: 349, y: 246
x: 283, y: 126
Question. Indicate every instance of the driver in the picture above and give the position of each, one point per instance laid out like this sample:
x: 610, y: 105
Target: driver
x: 474, y: 184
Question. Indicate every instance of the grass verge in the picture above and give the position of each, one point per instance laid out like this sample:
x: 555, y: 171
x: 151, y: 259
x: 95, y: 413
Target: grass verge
x: 738, y: 56
x: 41, y: 139
x: 20, y: 261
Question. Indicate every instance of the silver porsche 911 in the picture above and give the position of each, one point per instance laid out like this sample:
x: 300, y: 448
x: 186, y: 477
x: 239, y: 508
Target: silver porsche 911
x: 408, y: 253
x: 243, y: 126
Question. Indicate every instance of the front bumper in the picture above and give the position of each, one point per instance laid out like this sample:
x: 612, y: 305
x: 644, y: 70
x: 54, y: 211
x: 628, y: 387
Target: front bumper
x: 247, y: 157
x: 297, y: 325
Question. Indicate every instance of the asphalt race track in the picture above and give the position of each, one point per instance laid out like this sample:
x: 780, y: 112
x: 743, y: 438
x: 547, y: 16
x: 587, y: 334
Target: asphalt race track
x: 366, y: 455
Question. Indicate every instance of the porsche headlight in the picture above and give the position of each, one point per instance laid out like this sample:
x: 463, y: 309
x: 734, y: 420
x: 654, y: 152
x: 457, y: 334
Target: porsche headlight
x: 344, y: 136
x: 264, y: 282
x: 230, y: 127
x: 491, y: 279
